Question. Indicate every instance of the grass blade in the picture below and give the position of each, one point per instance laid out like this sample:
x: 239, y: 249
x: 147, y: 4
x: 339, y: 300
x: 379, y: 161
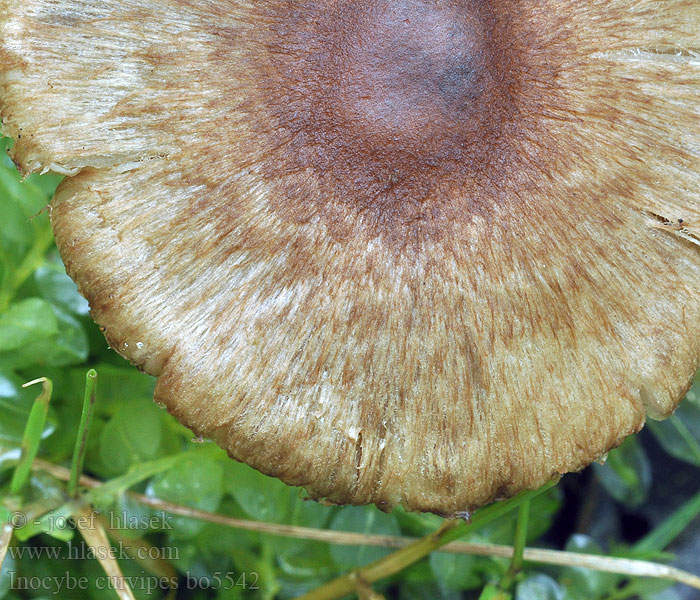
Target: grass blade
x: 81, y: 441
x: 32, y: 434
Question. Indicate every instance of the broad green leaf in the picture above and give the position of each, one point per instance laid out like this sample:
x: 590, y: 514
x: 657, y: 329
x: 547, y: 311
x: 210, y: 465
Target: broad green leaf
x: 119, y: 384
x: 132, y: 435
x: 626, y: 474
x: 134, y: 519
x: 268, y: 499
x: 652, y: 592
x: 196, y: 482
x: 655, y: 589
x: 362, y: 519
x: 55, y: 524
x: 56, y: 287
x: 493, y: 592
x: 20, y: 204
x: 221, y: 539
x: 542, y: 511
x: 67, y: 346
x: 256, y: 574
x: 455, y: 571
x: 417, y: 524
x: 585, y: 584
x: 312, y: 560
x: 502, y: 530
x: 539, y: 587
x: 262, y: 498
x: 26, y: 322
x: 419, y: 572
x: 229, y: 590
x: 427, y: 591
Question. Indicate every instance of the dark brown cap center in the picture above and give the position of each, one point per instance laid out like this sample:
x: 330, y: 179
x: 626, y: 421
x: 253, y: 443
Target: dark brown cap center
x: 409, y: 70
x: 397, y: 115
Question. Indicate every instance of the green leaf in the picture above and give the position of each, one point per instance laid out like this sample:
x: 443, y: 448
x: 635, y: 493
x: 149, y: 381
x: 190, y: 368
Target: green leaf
x: 196, y: 482
x: 255, y: 574
x: 429, y: 591
x: 8, y: 569
x: 626, y: 474
x: 131, y: 436
x: 543, y: 510
x: 55, y: 524
x: 56, y: 287
x: 586, y: 584
x: 680, y: 434
x: 25, y: 322
x: 221, y: 539
x: 68, y: 346
x: 493, y: 592
x: 362, y: 519
x: 21, y: 203
x: 268, y: 499
x: 455, y: 571
x: 262, y: 498
x: 133, y: 519
x: 501, y: 531
x: 119, y: 384
x: 539, y: 587
x: 313, y: 560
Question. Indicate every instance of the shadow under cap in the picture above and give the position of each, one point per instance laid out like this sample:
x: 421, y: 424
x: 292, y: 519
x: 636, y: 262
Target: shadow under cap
x: 416, y: 253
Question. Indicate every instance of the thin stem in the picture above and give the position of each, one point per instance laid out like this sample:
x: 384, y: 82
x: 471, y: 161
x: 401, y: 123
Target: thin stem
x: 670, y: 528
x: 620, y: 566
x: 134, y: 475
x: 686, y: 436
x: 364, y: 590
x: 412, y: 553
x: 142, y: 552
x: 96, y: 538
x: 516, y: 562
x: 32, y: 434
x: 81, y: 441
x: 5, y: 537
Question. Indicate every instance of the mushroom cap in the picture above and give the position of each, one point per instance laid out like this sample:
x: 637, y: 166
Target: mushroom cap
x: 396, y: 252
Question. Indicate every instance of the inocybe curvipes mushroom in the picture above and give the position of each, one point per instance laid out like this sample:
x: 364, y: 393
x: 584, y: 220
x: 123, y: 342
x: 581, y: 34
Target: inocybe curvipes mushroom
x: 411, y: 252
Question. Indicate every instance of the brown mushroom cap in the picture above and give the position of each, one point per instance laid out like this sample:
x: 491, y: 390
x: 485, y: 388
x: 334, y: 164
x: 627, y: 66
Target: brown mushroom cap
x: 397, y: 252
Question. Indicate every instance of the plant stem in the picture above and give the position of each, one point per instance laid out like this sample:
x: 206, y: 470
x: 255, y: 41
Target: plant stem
x: 412, y: 553
x: 686, y: 436
x: 81, y: 441
x: 609, y: 564
x: 669, y: 529
x: 142, y: 552
x: 134, y: 475
x: 5, y: 537
x: 516, y: 562
x: 96, y: 538
x: 32, y: 434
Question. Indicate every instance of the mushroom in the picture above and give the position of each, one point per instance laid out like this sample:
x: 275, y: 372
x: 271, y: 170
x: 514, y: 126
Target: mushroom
x: 397, y: 252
